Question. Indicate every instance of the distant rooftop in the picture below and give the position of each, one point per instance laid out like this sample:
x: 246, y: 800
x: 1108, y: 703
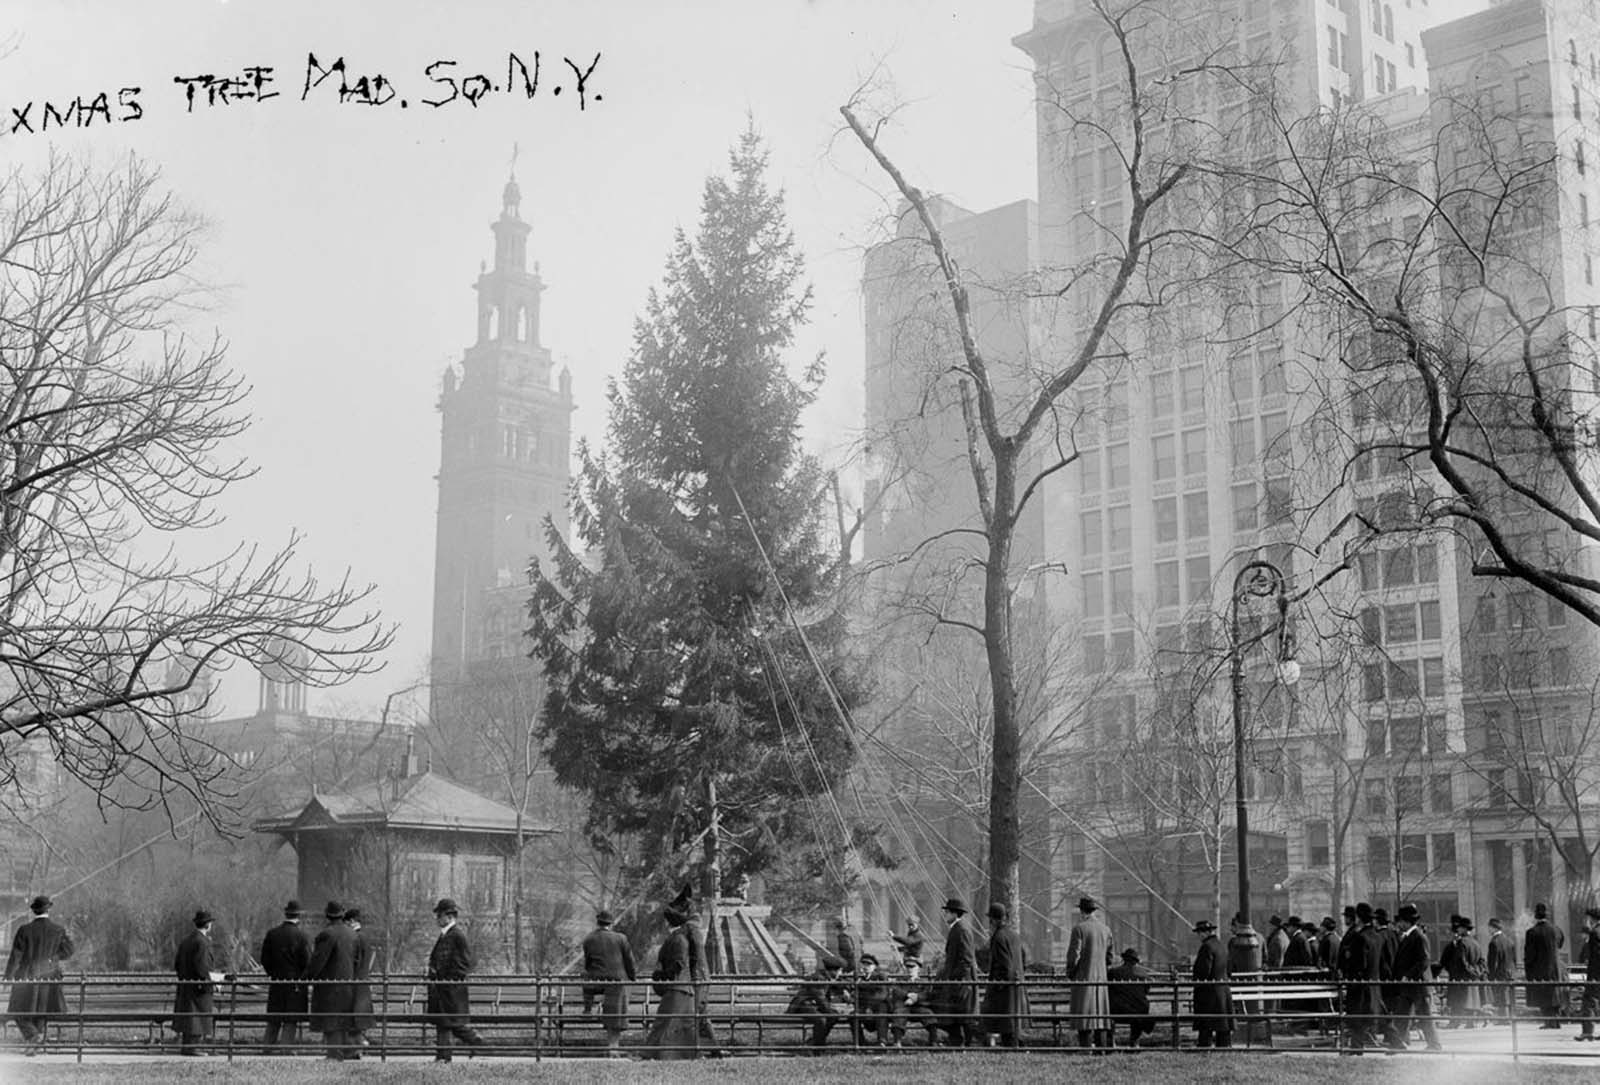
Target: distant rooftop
x: 425, y: 801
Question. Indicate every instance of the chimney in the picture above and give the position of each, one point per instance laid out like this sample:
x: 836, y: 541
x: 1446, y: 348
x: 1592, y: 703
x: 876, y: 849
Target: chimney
x: 408, y: 767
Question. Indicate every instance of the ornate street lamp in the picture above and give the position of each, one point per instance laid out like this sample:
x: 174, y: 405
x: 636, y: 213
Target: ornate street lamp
x: 1256, y: 580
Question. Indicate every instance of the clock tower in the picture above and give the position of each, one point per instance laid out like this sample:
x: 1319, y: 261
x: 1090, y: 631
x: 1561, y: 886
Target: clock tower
x: 503, y: 467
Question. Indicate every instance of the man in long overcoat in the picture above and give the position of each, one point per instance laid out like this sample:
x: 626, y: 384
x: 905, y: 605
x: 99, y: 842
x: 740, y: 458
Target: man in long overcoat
x: 1005, y: 1003
x: 1500, y: 957
x: 285, y: 953
x: 607, y: 961
x: 845, y: 945
x: 957, y: 990
x: 362, y: 1019
x: 195, y: 965
x: 333, y: 967
x: 1461, y: 961
x: 1413, y: 961
x: 1088, y: 959
x: 674, y: 1033
x: 448, y: 965
x: 34, y: 969
x: 1541, y: 966
x: 1213, y: 1004
x: 1589, y: 957
x: 1130, y: 997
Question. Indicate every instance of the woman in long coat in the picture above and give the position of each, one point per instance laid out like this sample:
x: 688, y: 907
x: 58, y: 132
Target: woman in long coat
x: 1213, y: 1003
x: 1088, y: 959
x: 675, y: 1033
x: 362, y: 1019
x: 1462, y: 963
x: 192, y: 1008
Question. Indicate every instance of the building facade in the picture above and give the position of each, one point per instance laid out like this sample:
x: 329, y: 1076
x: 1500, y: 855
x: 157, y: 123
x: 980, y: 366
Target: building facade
x: 1384, y: 773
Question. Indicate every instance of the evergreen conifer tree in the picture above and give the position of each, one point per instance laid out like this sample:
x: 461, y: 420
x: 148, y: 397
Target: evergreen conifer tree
x: 681, y: 699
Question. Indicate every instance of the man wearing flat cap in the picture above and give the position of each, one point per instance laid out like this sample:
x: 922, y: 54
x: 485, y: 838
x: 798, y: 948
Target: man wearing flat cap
x: 332, y: 970
x: 1130, y: 997
x: 821, y: 1001
x: 607, y: 966
x: 957, y: 989
x: 195, y: 965
x: 34, y: 969
x: 1213, y: 1002
x: 449, y: 1004
x: 1589, y: 957
x: 1088, y: 960
x: 285, y: 955
x: 1005, y: 1003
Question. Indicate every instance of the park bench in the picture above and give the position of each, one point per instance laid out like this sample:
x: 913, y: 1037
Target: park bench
x: 1271, y: 998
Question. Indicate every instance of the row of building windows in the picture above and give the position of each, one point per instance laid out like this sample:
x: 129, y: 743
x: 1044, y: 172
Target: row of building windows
x: 1421, y: 855
x: 1391, y: 680
x: 1251, y: 441
x: 1254, y: 506
x: 1529, y: 669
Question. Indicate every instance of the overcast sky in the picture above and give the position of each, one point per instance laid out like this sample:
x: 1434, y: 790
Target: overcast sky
x: 349, y: 235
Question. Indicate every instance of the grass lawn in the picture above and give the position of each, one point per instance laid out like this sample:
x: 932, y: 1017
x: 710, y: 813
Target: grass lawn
x: 844, y: 1070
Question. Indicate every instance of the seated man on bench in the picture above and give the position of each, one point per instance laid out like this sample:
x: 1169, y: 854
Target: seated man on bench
x: 822, y: 1001
x: 874, y: 1003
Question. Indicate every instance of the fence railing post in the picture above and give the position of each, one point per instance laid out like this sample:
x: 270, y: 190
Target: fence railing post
x: 538, y: 1018
x: 383, y: 1015
x: 83, y: 1006
x: 1177, y: 1019
x: 233, y: 1009
x: 1511, y: 1012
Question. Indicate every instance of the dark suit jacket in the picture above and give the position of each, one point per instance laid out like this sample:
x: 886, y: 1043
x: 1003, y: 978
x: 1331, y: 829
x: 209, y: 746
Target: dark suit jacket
x: 1413, y: 963
x: 1328, y: 949
x: 333, y: 960
x: 1299, y: 954
x: 37, y: 950
x: 607, y: 956
x: 362, y: 1017
x: 450, y: 962
x: 1541, y: 951
x: 1130, y: 991
x: 960, y: 963
x: 1213, y: 1005
x: 1499, y: 956
x: 193, y: 963
x: 1391, y: 944
x: 285, y: 954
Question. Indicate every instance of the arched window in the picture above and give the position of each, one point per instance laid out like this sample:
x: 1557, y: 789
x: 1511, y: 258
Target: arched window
x: 494, y: 322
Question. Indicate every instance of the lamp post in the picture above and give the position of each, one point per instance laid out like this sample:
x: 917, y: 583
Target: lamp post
x: 1257, y: 579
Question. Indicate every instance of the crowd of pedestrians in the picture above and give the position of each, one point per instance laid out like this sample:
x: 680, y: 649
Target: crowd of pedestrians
x: 1387, y: 973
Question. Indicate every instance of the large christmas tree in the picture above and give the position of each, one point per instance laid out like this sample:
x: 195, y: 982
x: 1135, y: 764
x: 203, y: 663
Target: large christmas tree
x: 682, y: 699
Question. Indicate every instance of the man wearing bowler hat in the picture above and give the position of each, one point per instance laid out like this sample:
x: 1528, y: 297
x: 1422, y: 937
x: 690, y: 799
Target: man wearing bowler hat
x: 1088, y: 959
x: 607, y: 962
x: 333, y: 992
x: 1213, y: 1002
x: 956, y: 993
x: 1412, y: 971
x: 195, y: 965
x: 34, y: 969
x: 448, y: 965
x: 1130, y: 997
x: 1005, y: 1004
x: 285, y: 955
